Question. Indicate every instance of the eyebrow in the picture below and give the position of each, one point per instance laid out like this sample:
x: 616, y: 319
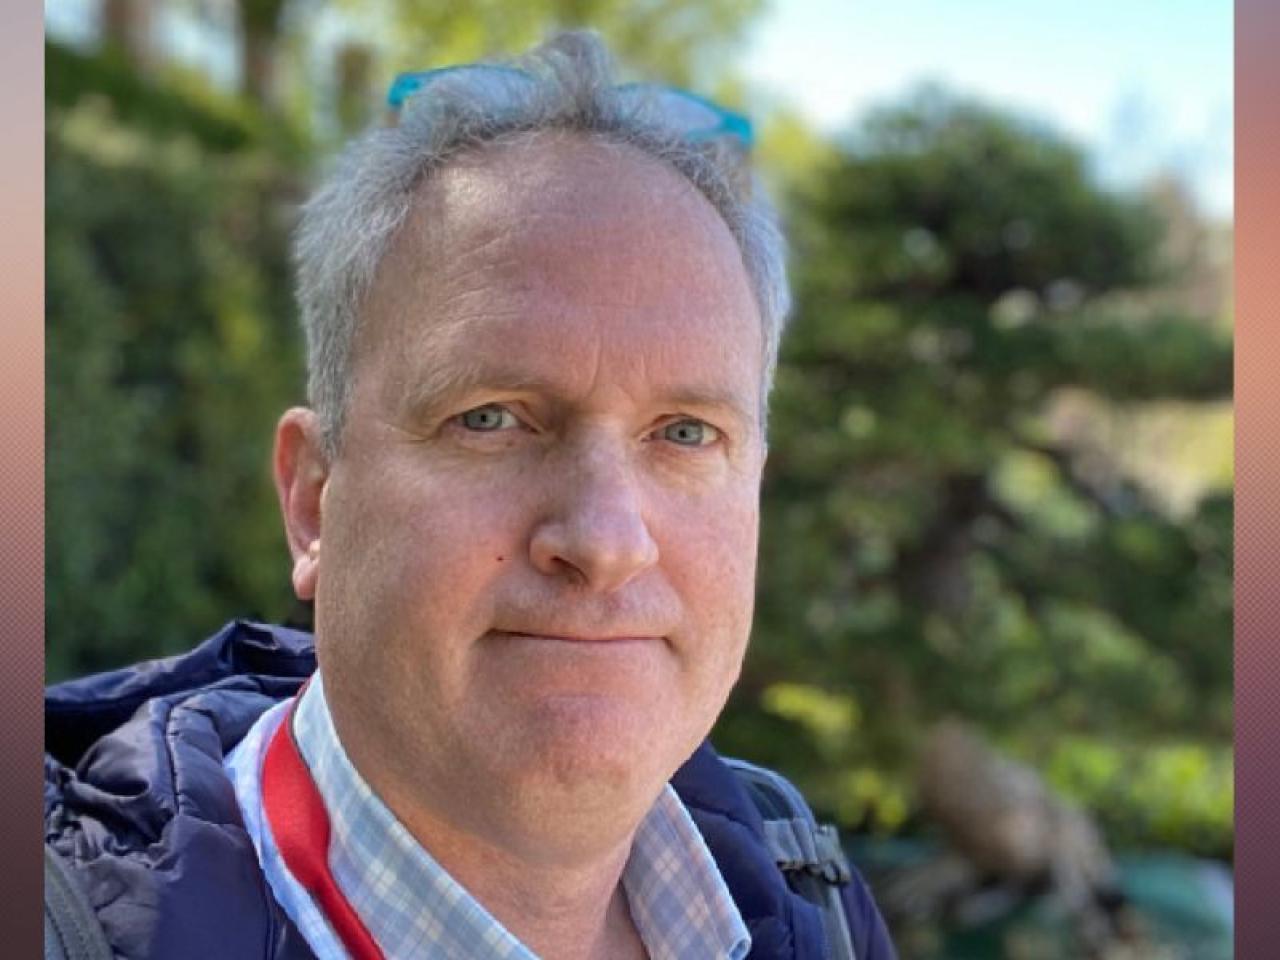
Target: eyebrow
x: 440, y: 386
x: 699, y: 399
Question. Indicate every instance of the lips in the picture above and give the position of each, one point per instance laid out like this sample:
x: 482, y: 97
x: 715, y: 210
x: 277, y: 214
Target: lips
x: 572, y: 637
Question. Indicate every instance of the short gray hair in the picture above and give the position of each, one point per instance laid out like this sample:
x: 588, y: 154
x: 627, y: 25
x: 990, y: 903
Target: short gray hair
x: 348, y: 223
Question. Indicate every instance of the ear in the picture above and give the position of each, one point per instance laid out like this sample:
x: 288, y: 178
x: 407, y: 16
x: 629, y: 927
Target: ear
x: 301, y: 472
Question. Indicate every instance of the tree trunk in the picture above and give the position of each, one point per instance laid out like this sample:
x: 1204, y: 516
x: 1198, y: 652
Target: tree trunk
x: 355, y: 77
x: 257, y: 79
x: 126, y: 27
x: 260, y: 24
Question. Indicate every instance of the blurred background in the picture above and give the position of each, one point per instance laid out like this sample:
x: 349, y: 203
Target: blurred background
x: 993, y: 638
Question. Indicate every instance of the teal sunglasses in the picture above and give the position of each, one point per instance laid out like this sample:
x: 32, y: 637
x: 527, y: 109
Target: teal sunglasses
x: 697, y: 118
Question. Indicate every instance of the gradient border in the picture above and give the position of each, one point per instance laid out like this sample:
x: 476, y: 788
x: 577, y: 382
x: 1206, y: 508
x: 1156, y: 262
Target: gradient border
x: 22, y: 470
x: 1257, y: 655
x: 1257, y: 598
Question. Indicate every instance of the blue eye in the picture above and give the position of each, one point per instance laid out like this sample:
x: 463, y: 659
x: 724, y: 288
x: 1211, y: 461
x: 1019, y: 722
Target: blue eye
x: 488, y: 418
x: 690, y: 433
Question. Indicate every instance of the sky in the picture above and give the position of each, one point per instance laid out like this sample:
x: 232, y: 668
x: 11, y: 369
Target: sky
x: 1146, y: 85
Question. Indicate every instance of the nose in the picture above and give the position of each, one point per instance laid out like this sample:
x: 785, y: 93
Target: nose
x: 596, y: 532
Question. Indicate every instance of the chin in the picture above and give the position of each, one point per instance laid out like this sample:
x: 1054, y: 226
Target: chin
x: 589, y: 746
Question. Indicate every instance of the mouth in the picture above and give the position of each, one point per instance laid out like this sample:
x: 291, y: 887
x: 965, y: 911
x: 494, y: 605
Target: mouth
x: 575, y: 638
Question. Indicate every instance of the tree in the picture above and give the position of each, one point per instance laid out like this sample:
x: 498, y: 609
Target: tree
x: 929, y: 544
x: 261, y: 22
x: 170, y: 350
x: 680, y: 41
x: 685, y: 43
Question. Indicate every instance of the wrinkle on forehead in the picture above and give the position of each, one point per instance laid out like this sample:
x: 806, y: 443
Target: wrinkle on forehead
x: 481, y: 195
x: 545, y: 168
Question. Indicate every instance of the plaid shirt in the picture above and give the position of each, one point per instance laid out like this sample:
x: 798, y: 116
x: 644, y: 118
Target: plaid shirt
x: 413, y: 908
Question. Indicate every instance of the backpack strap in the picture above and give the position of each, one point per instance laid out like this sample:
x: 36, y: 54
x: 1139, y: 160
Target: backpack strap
x: 71, y: 929
x: 809, y: 855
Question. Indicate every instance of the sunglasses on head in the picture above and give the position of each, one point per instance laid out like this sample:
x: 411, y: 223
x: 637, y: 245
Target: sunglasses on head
x: 696, y: 118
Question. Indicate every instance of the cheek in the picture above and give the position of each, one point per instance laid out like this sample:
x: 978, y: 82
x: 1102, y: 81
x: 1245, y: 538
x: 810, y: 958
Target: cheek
x: 413, y: 552
x: 712, y: 563
x: 713, y: 571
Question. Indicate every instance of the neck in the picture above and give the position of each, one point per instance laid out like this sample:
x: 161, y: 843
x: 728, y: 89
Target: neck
x: 558, y: 891
x: 560, y: 910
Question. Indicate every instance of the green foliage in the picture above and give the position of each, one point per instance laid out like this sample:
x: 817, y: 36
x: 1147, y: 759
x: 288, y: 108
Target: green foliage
x: 930, y: 545
x: 680, y: 41
x: 71, y: 76
x: 685, y: 42
x: 170, y: 350
x: 1178, y: 794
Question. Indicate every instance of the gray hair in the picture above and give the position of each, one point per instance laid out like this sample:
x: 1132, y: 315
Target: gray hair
x: 348, y: 223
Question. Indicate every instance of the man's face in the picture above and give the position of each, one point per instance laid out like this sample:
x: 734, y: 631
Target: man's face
x: 537, y: 549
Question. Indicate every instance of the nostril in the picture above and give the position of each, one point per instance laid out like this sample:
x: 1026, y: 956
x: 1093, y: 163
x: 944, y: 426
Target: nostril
x: 596, y: 530
x: 598, y: 556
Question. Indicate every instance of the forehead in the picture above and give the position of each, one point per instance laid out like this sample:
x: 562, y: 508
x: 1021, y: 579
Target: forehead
x: 518, y: 249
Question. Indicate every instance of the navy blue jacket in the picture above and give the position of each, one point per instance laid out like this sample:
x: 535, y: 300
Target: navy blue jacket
x: 137, y: 801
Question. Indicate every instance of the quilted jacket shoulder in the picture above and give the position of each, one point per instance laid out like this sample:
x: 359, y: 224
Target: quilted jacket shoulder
x: 136, y: 801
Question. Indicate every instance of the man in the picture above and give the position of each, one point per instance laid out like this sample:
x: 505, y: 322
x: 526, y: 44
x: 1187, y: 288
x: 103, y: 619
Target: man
x: 542, y: 314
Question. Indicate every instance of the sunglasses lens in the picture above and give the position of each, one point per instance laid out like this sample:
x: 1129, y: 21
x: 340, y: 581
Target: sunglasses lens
x: 407, y: 85
x: 695, y: 118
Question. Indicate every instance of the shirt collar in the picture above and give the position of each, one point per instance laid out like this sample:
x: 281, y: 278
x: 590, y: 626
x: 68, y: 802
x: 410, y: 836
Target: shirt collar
x: 411, y: 905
